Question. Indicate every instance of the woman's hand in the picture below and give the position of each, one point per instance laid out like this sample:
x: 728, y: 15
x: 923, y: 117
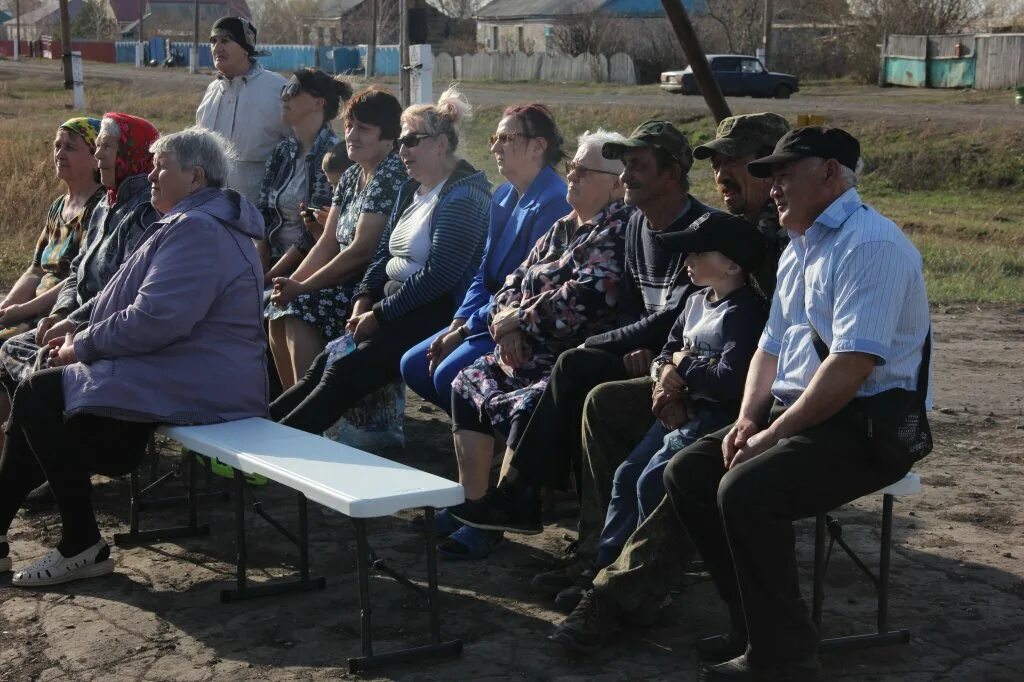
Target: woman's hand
x: 513, y: 349
x: 363, y: 327
x: 62, y: 351
x: 505, y: 322
x: 54, y: 331
x: 314, y: 224
x: 670, y: 380
x: 285, y: 291
x: 441, y: 348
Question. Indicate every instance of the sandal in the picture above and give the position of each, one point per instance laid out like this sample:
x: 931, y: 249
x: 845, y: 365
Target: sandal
x: 444, y: 524
x: 55, y: 568
x: 470, y: 544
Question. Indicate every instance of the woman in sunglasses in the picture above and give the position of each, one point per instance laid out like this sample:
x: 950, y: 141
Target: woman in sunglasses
x: 566, y: 290
x: 312, y: 305
x: 526, y: 146
x: 294, y: 179
x: 424, y: 263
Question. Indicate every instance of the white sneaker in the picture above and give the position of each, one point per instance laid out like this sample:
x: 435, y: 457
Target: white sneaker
x: 55, y: 568
x: 5, y: 560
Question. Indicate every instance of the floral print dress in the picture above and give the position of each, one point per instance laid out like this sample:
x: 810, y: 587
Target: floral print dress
x: 566, y: 290
x: 327, y: 309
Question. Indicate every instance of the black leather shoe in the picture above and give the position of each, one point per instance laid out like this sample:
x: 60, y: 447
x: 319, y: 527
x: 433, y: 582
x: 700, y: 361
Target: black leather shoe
x: 508, y: 507
x: 721, y: 647
x: 739, y: 668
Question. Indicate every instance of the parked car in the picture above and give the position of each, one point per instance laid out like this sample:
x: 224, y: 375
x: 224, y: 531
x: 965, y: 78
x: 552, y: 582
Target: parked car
x: 738, y: 75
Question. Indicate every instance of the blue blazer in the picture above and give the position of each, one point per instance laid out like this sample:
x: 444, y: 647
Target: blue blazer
x: 515, y: 226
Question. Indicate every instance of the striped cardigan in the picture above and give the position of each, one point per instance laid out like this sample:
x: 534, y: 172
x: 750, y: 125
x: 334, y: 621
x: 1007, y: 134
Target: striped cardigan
x: 458, y: 229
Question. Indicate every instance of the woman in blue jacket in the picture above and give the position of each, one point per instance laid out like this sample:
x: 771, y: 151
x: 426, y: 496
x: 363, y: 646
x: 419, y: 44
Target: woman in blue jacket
x: 423, y: 265
x: 526, y: 146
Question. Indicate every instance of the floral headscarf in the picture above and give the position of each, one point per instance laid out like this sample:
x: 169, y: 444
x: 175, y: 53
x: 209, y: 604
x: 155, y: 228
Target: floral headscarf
x: 133, y: 155
x: 85, y: 128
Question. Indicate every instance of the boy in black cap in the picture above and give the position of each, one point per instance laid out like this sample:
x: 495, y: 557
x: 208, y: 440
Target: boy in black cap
x: 706, y: 356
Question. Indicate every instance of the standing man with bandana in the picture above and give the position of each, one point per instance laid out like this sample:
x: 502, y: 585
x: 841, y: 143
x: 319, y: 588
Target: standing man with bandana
x: 244, y: 103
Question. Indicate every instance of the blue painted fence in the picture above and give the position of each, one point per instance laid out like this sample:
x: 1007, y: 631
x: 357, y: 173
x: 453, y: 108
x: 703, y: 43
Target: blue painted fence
x: 337, y: 59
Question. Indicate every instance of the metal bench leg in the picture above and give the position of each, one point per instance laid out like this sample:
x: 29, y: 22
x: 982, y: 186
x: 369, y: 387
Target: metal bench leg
x: 138, y: 503
x: 436, y: 648
x: 246, y: 591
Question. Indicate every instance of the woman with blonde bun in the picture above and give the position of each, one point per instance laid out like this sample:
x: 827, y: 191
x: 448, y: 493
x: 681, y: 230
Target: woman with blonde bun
x: 425, y: 261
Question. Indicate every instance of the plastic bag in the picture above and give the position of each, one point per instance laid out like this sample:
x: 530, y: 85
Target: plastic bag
x: 377, y: 420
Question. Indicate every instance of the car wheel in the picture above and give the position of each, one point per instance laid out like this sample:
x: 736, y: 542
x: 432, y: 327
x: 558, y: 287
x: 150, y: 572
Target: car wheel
x: 783, y: 92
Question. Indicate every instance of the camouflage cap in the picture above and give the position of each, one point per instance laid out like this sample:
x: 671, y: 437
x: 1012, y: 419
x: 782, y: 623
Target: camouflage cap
x: 661, y: 134
x: 739, y: 136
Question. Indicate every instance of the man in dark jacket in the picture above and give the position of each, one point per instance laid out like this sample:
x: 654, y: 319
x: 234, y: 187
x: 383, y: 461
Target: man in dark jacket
x: 657, y: 160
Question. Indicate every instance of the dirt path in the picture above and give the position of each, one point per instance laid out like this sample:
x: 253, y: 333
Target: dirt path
x: 957, y: 572
x: 954, y: 109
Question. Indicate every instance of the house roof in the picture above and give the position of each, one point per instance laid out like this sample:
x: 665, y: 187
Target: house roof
x: 338, y: 8
x: 49, y: 7
x: 555, y: 9
x: 4, y: 17
x: 128, y: 10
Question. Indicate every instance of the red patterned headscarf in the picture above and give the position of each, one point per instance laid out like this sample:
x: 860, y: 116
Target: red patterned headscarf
x: 133, y: 156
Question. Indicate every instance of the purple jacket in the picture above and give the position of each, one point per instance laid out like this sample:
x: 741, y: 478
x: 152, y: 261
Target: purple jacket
x: 177, y: 334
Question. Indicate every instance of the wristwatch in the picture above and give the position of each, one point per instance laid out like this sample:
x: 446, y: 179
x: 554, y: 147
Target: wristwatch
x: 463, y: 332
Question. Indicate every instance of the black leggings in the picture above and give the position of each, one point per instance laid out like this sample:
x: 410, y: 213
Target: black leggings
x: 466, y: 417
x: 42, y: 446
x: 321, y: 397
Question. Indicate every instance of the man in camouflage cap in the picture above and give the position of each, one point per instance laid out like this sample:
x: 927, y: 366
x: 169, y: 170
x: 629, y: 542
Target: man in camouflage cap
x: 740, y: 140
x: 631, y: 590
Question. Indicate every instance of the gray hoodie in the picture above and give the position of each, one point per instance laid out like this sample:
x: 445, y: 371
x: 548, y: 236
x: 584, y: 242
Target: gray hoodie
x: 177, y: 334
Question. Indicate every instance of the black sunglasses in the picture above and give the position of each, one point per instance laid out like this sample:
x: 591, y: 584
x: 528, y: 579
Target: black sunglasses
x: 293, y: 88
x: 413, y: 139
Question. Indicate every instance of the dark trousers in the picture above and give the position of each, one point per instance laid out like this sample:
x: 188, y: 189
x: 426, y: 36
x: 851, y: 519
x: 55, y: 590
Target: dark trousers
x: 741, y: 521
x: 324, y: 393
x: 551, y: 443
x: 42, y: 446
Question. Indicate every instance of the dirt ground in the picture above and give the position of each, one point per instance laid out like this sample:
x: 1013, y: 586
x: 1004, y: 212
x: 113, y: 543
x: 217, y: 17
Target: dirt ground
x: 957, y: 572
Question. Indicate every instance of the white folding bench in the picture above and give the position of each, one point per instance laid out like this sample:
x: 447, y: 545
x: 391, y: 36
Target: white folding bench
x: 908, y: 485
x: 356, y: 483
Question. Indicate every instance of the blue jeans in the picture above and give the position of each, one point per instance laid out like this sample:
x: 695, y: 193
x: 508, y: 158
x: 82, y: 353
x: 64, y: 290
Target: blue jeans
x: 438, y: 388
x: 638, y: 487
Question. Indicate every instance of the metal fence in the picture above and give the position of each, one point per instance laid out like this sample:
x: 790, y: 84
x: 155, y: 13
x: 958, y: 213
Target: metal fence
x: 981, y: 61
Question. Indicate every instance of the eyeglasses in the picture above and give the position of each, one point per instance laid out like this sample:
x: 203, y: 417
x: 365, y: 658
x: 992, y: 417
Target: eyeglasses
x: 505, y: 138
x: 581, y: 171
x: 413, y: 139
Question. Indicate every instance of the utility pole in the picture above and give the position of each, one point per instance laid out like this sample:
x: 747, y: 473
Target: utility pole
x: 371, y: 49
x: 193, y: 59
x: 769, y: 11
x: 403, y: 52
x: 698, y: 61
x: 17, y: 30
x: 65, y: 43
x: 140, y: 49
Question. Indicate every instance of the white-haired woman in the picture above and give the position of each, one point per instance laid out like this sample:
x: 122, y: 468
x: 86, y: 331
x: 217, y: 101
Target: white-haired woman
x: 566, y: 290
x: 424, y: 264
x: 176, y: 336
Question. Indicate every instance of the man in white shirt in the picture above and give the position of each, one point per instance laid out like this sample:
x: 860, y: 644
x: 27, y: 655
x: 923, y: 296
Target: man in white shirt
x: 244, y: 103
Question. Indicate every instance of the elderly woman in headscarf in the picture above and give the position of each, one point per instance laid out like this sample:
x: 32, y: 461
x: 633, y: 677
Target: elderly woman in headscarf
x: 118, y: 224
x: 176, y: 336
x: 35, y: 292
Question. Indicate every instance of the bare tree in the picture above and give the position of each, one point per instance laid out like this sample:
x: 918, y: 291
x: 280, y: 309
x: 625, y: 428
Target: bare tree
x: 584, y: 31
x: 458, y: 9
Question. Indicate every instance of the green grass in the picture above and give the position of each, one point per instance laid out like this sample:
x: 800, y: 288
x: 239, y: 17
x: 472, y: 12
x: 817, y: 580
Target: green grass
x: 959, y: 195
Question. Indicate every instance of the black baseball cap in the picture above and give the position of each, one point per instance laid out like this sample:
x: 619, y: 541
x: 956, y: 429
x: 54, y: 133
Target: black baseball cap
x: 730, y: 235
x: 816, y: 141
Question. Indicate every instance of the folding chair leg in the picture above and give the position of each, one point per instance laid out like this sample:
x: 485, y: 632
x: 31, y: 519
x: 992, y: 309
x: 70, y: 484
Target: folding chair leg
x: 819, y: 571
x: 134, y: 536
x: 883, y: 565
